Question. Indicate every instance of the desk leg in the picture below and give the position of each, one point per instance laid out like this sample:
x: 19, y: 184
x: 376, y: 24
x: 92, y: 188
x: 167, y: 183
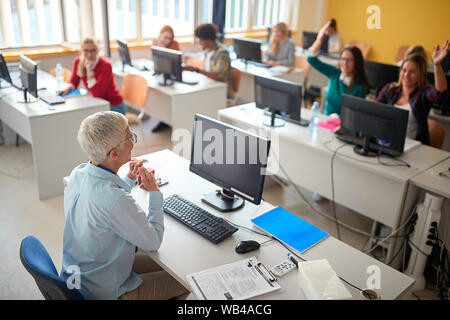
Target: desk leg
x: 9, y: 135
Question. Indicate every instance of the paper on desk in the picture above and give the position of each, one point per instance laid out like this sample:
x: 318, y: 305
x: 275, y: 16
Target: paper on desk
x: 319, y: 281
x: 239, y: 280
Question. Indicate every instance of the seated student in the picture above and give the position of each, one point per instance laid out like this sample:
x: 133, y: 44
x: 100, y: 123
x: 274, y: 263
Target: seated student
x: 217, y: 63
x: 97, y: 76
x: 418, y: 50
x: 281, y: 49
x: 166, y: 39
x: 335, y: 42
x: 412, y: 93
x: 350, y: 78
x: 105, y: 225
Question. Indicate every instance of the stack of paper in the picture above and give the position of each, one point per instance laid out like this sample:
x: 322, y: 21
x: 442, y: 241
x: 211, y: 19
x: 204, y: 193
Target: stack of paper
x: 319, y: 281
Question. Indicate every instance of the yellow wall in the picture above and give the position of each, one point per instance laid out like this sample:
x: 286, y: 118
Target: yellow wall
x: 403, y: 22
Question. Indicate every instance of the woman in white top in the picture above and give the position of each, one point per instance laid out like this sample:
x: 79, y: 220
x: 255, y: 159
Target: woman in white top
x: 335, y: 43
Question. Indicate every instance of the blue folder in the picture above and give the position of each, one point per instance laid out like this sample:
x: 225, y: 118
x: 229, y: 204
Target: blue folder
x: 72, y: 93
x: 290, y: 229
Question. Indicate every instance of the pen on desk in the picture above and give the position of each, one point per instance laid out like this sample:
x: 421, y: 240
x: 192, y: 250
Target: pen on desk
x: 291, y: 257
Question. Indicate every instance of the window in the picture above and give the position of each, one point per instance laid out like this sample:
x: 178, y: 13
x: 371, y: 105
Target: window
x: 236, y: 17
x: 30, y: 22
x: 242, y: 15
x: 270, y: 12
x: 179, y: 14
x: 122, y: 19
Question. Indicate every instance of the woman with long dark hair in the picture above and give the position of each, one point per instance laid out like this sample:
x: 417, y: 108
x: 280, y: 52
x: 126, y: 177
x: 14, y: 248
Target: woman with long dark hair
x: 350, y: 78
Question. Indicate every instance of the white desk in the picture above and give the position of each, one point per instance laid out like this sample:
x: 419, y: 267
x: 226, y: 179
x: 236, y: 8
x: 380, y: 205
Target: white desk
x: 183, y: 251
x: 176, y: 105
x: 445, y: 121
x: 52, y: 132
x: 246, y: 91
x: 361, y: 184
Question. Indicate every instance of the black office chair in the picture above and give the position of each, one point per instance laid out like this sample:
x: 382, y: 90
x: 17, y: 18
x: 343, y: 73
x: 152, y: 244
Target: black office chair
x: 38, y: 263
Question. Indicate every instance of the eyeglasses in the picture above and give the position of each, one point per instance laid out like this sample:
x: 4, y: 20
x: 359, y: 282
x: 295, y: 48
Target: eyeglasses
x: 347, y: 59
x: 89, y: 50
x: 132, y: 138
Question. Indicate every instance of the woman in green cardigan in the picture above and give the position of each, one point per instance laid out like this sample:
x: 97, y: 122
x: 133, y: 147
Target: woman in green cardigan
x: 350, y: 78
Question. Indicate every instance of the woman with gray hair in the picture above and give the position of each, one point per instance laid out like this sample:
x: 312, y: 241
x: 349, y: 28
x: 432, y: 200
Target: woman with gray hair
x: 104, y: 224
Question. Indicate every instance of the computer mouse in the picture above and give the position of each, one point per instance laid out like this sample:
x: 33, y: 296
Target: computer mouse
x: 247, y: 246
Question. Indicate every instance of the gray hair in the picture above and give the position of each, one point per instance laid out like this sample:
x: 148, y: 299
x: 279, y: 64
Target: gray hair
x: 101, y: 132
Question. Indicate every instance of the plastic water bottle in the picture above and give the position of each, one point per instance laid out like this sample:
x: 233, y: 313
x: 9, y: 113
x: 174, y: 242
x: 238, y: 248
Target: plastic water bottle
x: 59, y: 74
x: 314, y: 117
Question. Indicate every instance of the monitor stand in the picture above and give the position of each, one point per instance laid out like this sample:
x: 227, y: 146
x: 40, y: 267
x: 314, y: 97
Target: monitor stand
x: 273, y: 121
x: 25, y: 98
x: 365, y: 150
x: 223, y: 200
x: 167, y: 81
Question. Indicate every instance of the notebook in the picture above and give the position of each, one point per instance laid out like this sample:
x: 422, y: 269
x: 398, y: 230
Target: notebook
x: 290, y: 229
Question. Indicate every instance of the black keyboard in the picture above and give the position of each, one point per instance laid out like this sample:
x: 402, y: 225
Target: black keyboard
x: 211, y: 227
x: 50, y: 98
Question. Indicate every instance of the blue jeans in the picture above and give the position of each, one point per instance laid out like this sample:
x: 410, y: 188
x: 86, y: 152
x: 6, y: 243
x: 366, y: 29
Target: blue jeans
x: 121, y: 108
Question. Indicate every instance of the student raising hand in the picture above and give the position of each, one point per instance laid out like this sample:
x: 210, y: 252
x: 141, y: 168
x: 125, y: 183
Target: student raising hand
x: 439, y: 54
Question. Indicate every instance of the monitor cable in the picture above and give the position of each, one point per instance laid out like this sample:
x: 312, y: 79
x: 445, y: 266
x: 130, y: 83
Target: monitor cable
x: 325, y: 215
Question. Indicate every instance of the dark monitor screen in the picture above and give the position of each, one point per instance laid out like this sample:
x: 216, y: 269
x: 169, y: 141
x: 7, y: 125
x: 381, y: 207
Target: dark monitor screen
x: 309, y: 37
x: 381, y: 127
x: 4, y: 72
x: 28, y: 73
x: 124, y: 53
x: 229, y: 157
x: 380, y: 74
x: 248, y: 49
x: 280, y: 97
x: 168, y: 62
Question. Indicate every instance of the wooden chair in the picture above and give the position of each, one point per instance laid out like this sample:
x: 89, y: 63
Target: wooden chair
x: 437, y: 133
x: 67, y: 74
x: 401, y: 52
x: 365, y: 48
x: 236, y: 76
x: 134, y: 92
x: 302, y: 63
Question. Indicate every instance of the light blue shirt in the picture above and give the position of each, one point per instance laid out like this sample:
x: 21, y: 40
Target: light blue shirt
x: 104, y: 225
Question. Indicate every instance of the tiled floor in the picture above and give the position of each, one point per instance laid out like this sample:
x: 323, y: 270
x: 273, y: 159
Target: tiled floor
x: 22, y: 213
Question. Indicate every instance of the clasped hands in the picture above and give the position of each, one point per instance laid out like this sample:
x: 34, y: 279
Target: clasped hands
x: 145, y: 177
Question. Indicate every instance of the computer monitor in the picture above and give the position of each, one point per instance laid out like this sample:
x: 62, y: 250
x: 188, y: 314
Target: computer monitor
x: 4, y: 72
x: 167, y: 62
x: 28, y: 74
x: 378, y: 128
x: 379, y: 74
x: 282, y: 98
x: 248, y: 49
x: 231, y: 158
x: 309, y: 37
x: 124, y: 54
